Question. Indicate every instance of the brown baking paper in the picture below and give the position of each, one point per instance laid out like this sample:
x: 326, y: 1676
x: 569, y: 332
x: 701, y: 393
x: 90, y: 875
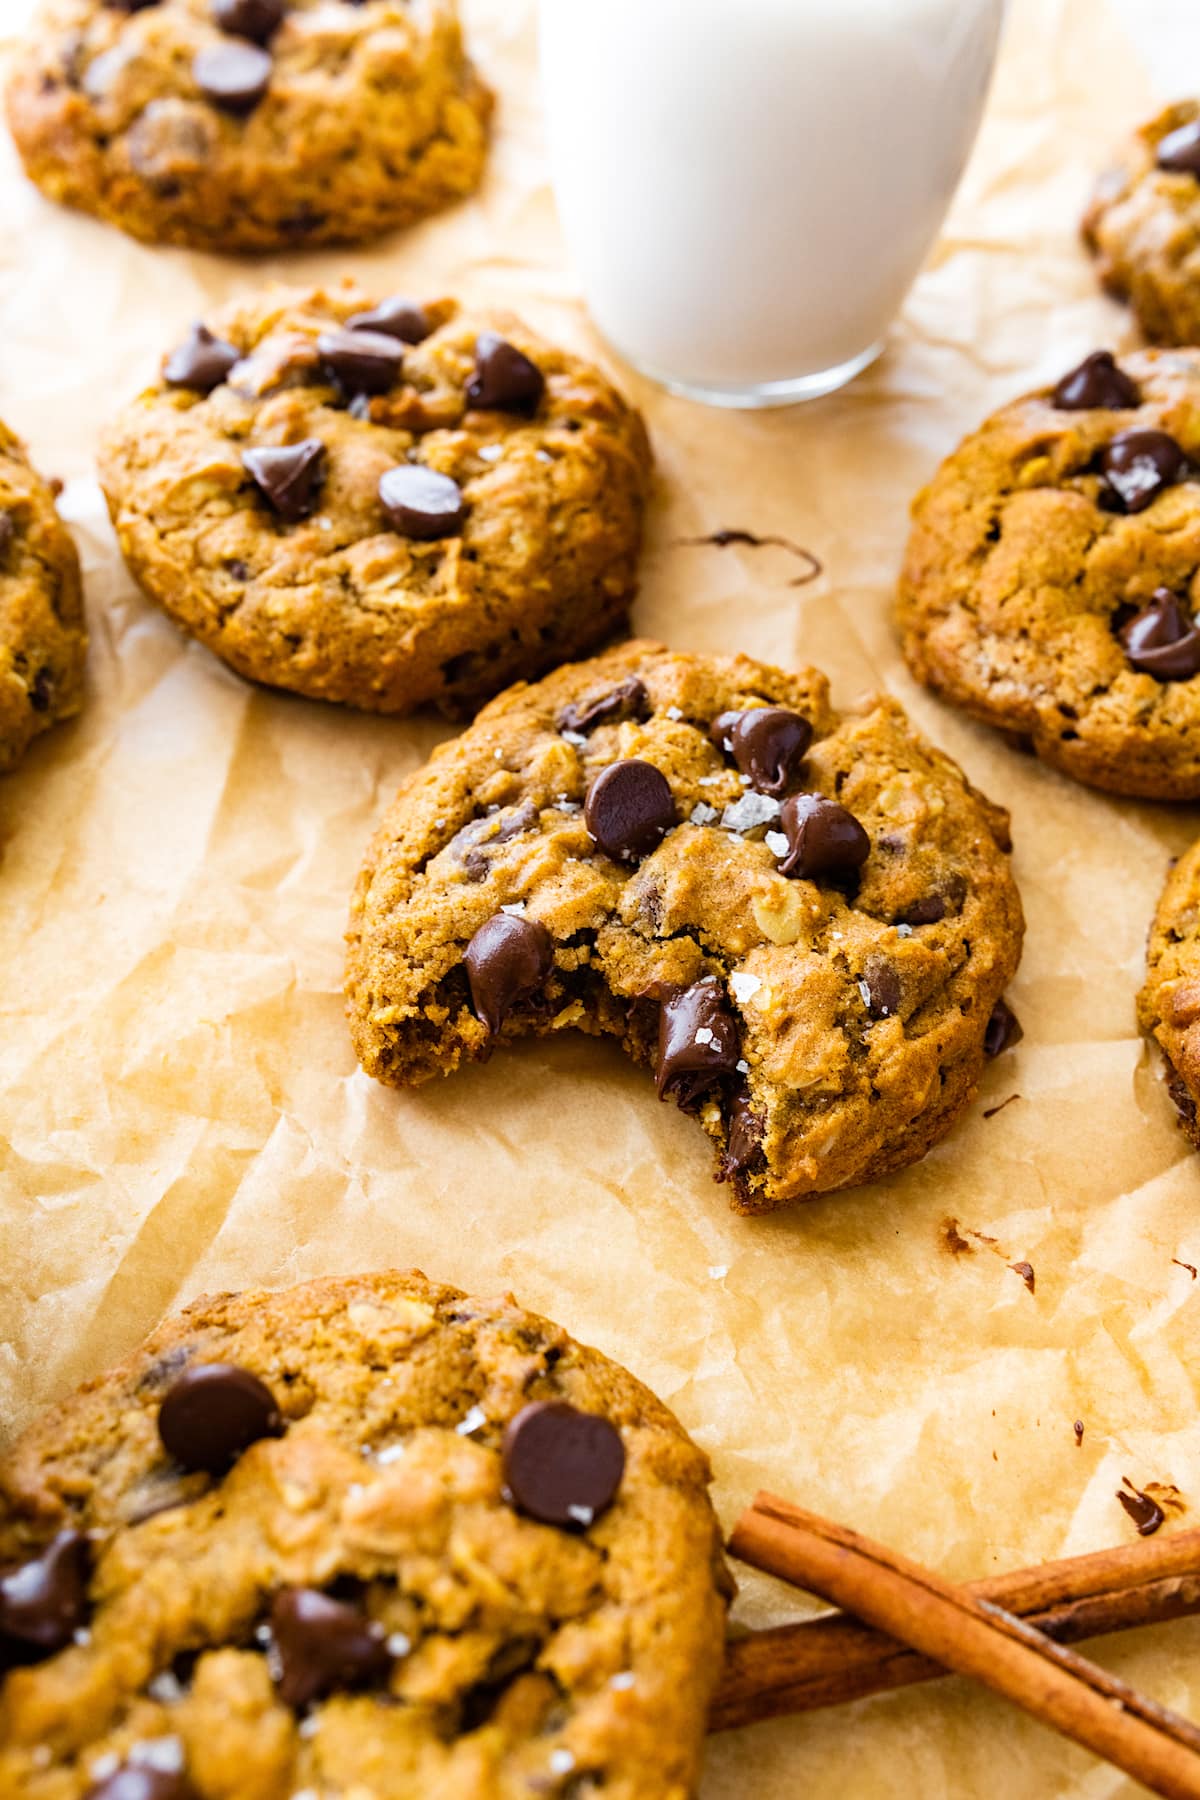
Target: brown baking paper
x: 182, y: 1110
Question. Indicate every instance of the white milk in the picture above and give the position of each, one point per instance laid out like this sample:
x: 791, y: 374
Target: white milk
x: 748, y: 187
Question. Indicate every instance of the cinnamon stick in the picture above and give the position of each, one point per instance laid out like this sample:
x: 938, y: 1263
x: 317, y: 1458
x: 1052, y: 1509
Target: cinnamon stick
x: 969, y: 1633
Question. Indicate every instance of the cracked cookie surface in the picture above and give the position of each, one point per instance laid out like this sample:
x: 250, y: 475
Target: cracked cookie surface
x: 1169, y: 1003
x: 354, y: 1607
x: 249, y: 124
x: 43, y: 640
x: 804, y: 924
x: 1053, y: 569
x: 1143, y: 225
x: 462, y: 504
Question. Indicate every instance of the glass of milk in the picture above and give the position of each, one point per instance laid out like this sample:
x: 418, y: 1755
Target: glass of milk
x: 749, y: 187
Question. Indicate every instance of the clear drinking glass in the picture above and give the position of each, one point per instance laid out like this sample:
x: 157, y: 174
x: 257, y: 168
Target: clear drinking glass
x: 749, y: 187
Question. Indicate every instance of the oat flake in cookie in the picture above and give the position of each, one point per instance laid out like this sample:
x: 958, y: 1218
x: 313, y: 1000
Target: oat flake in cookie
x: 1143, y: 225
x: 43, y: 641
x: 318, y: 489
x: 249, y: 124
x: 1169, y: 1003
x: 1052, y: 578
x: 801, y: 928
x: 452, y: 1553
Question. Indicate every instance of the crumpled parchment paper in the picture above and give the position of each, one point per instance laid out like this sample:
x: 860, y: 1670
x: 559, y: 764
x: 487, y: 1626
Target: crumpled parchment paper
x: 181, y: 1109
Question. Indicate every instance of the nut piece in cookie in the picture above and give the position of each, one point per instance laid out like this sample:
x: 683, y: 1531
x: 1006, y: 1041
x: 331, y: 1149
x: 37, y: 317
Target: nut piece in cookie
x: 380, y: 503
x: 1052, y: 579
x: 441, y: 1549
x: 43, y: 639
x: 801, y: 921
x: 1142, y: 224
x: 1169, y: 1003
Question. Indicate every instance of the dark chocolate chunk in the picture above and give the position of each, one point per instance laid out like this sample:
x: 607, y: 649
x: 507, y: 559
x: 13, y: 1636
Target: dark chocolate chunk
x: 507, y: 960
x: 628, y: 700
x: 698, y: 1042
x: 201, y: 362
x: 721, y: 729
x: 1138, y: 465
x: 744, y: 1146
x: 475, y: 843
x: 142, y: 1781
x: 505, y: 380
x: 929, y: 910
x: 1003, y: 1030
x: 1142, y: 1508
x: 1096, y: 383
x: 769, y: 745
x: 43, y: 1600
x: 883, y: 988
x: 254, y: 19
x: 1162, y: 640
x: 362, y: 362
x: 420, y: 503
x: 823, y: 838
x: 562, y: 1466
x: 41, y: 690
x: 1179, y: 151
x: 234, y: 76
x: 396, y: 317
x: 289, y: 477
x: 629, y: 809
x: 214, y: 1412
x: 324, y: 1644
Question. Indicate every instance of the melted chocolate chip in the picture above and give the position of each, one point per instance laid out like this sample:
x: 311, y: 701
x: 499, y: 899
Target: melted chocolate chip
x: 507, y: 960
x: 43, y: 1600
x: 142, y: 1781
x: 201, y: 362
x: 929, y: 910
x: 1162, y: 640
x: 475, y: 843
x: 1003, y: 1030
x: 254, y: 19
x: 505, y: 380
x: 883, y: 988
x: 823, y: 838
x: 214, y: 1412
x: 629, y: 809
x: 561, y: 1466
x: 289, y: 478
x: 1096, y: 383
x: 361, y: 362
x: 628, y: 700
x: 698, y: 1042
x: 744, y: 1146
x: 1142, y: 1508
x: 769, y: 744
x: 420, y: 503
x: 233, y: 76
x: 395, y: 317
x: 1138, y: 465
x: 721, y: 729
x: 323, y: 1644
x: 1179, y: 151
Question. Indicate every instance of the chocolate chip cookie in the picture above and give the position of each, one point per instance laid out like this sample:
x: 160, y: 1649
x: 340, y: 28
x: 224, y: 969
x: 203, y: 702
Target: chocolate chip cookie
x: 43, y: 642
x: 380, y: 504
x: 249, y: 124
x: 800, y: 920
x: 1053, y: 574
x: 1169, y: 1003
x: 365, y: 1538
x: 1143, y: 225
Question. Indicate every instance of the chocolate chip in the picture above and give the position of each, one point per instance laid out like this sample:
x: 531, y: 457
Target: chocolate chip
x: 288, y: 478
x: 505, y: 380
x: 1096, y: 383
x: 721, y: 729
x: 823, y: 838
x: 8, y: 530
x: 628, y: 700
x: 201, y: 362
x: 882, y: 985
x: 420, y: 503
x: 323, y: 1644
x: 562, y: 1466
x: 41, y: 691
x: 395, y: 317
x: 927, y: 911
x: 1179, y: 151
x: 744, y: 1145
x: 363, y: 362
x: 698, y: 1042
x: 130, y: 5
x: 233, y: 76
x: 142, y: 1781
x: 629, y: 809
x: 769, y: 744
x: 1138, y: 465
x: 507, y: 960
x: 214, y: 1412
x: 255, y: 19
x: 1003, y: 1030
x: 1162, y: 640
x: 43, y: 1600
